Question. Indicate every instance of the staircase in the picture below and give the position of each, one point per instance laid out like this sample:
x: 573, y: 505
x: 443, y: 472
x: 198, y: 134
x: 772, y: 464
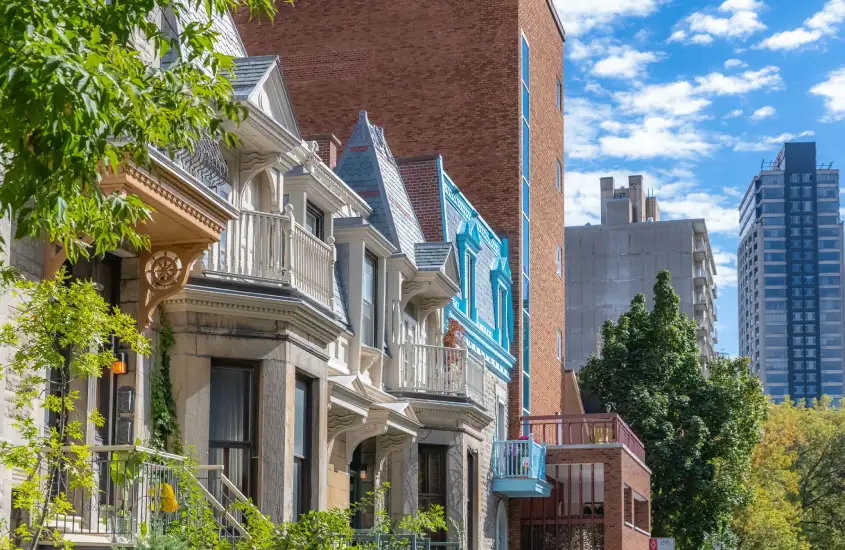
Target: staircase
x: 138, y: 490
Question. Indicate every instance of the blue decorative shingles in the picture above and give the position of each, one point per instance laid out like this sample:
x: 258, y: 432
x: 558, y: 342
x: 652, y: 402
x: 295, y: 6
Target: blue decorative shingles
x: 368, y: 167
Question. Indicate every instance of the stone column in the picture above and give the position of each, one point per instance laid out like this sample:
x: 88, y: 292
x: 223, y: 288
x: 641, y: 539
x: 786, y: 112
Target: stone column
x: 276, y: 422
x: 354, y: 295
x: 387, y: 447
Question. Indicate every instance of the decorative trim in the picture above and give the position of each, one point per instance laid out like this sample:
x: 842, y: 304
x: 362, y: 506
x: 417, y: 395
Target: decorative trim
x: 155, y: 186
x: 298, y: 313
x: 162, y: 273
x: 341, y: 423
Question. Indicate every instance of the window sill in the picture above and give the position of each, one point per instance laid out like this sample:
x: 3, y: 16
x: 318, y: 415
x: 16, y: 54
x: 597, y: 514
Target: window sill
x: 642, y: 531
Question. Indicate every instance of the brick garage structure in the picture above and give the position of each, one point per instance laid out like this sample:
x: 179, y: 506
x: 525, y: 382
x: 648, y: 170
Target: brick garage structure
x: 444, y: 78
x: 611, y: 514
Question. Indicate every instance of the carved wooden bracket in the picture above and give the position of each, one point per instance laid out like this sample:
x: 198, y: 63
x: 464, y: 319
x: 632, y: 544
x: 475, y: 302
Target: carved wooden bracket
x: 162, y: 273
x: 341, y: 423
x: 55, y: 256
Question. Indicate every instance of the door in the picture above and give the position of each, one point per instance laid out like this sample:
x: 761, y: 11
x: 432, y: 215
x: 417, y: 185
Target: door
x: 414, y: 358
x: 432, y: 480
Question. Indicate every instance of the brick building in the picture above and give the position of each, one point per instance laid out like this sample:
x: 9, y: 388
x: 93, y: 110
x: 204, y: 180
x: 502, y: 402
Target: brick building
x: 482, y: 86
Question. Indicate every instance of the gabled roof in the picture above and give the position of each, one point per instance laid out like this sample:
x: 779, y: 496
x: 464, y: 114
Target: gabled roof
x: 368, y: 167
x: 249, y: 72
x: 258, y: 80
x: 432, y: 256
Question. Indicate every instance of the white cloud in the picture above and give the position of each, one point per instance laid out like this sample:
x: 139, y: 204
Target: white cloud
x: 833, y: 92
x: 814, y: 28
x: 832, y: 14
x: 734, y: 19
x: 675, y: 192
x: 769, y: 143
x: 789, y: 40
x: 733, y: 114
x: 720, y: 84
x: 658, y: 137
x: 675, y: 98
x: 583, y: 119
x: 580, y: 16
x: 625, y: 63
x: 678, y: 36
x: 701, y: 39
x: 732, y: 192
x: 734, y: 63
x: 763, y: 113
x: 725, y: 267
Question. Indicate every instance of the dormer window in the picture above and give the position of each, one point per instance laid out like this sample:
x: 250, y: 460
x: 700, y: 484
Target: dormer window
x: 368, y: 326
x: 314, y: 221
x: 469, y: 286
x: 503, y: 319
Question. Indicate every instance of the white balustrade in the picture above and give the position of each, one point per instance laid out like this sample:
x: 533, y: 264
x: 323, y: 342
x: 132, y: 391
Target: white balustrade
x: 441, y: 370
x: 273, y: 248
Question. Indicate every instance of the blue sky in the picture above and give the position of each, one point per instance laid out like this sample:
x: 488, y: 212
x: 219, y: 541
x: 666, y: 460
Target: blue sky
x: 693, y: 95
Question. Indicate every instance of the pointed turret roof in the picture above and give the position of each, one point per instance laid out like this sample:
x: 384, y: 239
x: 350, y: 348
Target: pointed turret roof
x: 368, y: 167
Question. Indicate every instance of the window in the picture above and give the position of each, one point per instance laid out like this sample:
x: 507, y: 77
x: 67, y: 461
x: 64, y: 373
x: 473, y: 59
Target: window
x: 775, y: 245
x: 432, y: 476
x: 559, y: 345
x: 302, y: 447
x: 559, y: 261
x: 314, y: 221
x: 501, y: 421
x: 773, y: 207
x: 558, y: 176
x: 559, y: 100
x: 469, y: 284
x: 368, y: 330
x: 231, y: 423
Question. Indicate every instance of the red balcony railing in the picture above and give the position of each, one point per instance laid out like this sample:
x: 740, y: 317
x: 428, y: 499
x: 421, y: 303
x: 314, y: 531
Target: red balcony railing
x: 586, y: 429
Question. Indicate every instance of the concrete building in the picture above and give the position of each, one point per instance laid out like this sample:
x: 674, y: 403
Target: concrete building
x: 608, y: 264
x: 456, y: 79
x: 790, y: 266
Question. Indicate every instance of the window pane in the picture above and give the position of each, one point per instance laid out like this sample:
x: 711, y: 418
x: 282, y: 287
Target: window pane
x: 229, y: 411
x: 300, y: 418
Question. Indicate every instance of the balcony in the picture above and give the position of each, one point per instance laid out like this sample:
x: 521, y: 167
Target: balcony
x: 586, y: 429
x: 519, y: 469
x: 441, y: 371
x: 715, y: 336
x: 273, y: 249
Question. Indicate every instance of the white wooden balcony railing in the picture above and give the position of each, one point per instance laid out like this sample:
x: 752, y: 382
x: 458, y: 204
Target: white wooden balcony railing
x: 441, y: 370
x: 274, y: 249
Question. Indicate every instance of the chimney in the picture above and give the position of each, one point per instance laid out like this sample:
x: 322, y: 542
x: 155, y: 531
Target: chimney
x: 606, y: 195
x: 329, y: 148
x: 637, y: 194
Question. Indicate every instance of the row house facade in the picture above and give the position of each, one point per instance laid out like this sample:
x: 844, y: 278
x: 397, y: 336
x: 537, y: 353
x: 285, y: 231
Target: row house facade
x: 339, y: 321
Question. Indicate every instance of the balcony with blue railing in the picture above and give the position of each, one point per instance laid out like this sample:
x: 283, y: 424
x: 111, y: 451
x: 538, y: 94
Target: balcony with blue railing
x: 519, y: 469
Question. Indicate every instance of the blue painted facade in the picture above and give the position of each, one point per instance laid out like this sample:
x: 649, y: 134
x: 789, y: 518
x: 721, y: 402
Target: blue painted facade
x: 485, y: 306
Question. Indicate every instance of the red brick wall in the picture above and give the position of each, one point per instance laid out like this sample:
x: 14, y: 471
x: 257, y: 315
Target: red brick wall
x: 547, y: 289
x: 619, y: 469
x: 421, y: 179
x: 329, y: 148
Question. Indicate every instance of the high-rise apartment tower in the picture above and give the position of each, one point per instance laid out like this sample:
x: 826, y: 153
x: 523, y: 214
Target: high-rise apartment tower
x: 789, y: 266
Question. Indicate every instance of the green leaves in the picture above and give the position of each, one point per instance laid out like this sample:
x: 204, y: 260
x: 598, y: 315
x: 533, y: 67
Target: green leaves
x: 59, y: 327
x: 699, y: 429
x: 74, y: 76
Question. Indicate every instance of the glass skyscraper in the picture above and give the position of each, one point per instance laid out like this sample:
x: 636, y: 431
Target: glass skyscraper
x: 790, y: 272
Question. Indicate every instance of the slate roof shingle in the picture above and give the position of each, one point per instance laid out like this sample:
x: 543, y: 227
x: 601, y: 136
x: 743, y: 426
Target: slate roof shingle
x: 368, y: 167
x: 432, y: 256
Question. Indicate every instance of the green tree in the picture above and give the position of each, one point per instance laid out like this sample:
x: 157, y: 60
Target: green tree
x: 798, y: 479
x: 57, y: 336
x: 699, y: 428
x: 771, y: 519
x: 78, y: 95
